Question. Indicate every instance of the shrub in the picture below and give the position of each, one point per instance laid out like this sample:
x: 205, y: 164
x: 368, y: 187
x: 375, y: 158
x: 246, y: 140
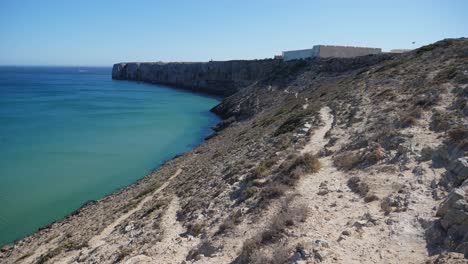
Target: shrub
x: 272, y: 191
x: 446, y: 74
x: 458, y: 134
x: 309, y: 162
x: 410, y: 118
x: 295, y: 120
x: 440, y: 121
x: 356, y: 185
x: 196, y: 229
x: 347, y: 160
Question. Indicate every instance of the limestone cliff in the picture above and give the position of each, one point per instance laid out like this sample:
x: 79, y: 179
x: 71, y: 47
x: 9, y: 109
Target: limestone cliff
x: 214, y: 77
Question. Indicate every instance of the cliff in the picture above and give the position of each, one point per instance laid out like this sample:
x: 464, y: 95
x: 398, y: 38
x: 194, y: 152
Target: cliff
x: 215, y: 77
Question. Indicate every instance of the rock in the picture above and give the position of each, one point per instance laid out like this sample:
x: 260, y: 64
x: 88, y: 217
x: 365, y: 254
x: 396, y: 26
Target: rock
x: 346, y: 233
x: 323, y: 188
x: 418, y: 171
x: 451, y: 230
x: 295, y: 258
x: 449, y: 202
x: 459, y: 169
x: 129, y: 227
x: 319, y: 255
x: 321, y: 243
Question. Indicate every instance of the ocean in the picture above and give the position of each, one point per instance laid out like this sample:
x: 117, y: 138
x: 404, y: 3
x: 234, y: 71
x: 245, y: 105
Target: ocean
x: 69, y: 135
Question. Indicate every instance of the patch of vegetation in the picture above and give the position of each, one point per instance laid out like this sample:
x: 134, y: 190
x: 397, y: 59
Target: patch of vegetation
x: 440, y: 121
x: 446, y: 74
x: 288, y: 216
x: 389, y: 65
x: 358, y: 186
x: 227, y: 225
x: 196, y: 229
x: 295, y: 120
x: 458, y: 134
x: 347, y: 160
x: 295, y: 169
x: 408, y: 119
x: 439, y: 44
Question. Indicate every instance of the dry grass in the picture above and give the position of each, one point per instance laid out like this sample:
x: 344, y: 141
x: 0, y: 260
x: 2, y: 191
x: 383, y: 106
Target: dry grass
x: 251, y: 251
x: 347, y: 160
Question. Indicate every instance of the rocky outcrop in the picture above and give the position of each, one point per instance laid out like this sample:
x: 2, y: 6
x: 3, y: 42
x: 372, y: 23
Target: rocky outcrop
x: 451, y: 230
x: 215, y: 77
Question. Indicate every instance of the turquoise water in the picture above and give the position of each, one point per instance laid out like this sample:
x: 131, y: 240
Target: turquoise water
x: 70, y: 135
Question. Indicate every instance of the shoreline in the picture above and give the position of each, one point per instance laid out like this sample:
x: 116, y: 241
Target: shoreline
x: 85, y: 205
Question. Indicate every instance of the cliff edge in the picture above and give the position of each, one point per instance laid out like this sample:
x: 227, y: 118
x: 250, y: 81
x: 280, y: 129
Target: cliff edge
x: 215, y: 77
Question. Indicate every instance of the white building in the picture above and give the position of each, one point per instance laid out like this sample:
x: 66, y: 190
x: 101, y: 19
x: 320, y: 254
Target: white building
x: 325, y: 51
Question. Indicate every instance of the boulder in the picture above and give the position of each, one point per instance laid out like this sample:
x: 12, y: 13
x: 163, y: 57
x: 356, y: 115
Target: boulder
x: 451, y: 230
x: 459, y: 169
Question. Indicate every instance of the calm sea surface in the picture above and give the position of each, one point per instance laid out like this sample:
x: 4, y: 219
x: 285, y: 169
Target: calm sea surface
x: 69, y: 135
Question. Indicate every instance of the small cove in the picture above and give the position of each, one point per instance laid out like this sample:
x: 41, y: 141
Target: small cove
x: 69, y: 135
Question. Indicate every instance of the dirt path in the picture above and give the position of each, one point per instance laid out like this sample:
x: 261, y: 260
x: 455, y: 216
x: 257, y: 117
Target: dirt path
x: 336, y: 214
x: 318, y: 140
x: 99, y: 240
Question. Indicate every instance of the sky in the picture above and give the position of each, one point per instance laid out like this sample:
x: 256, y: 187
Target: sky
x: 103, y: 32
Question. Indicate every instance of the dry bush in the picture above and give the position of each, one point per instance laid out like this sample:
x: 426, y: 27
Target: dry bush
x: 281, y: 254
x: 374, y: 155
x: 389, y: 138
x: 294, y: 169
x: 309, y: 162
x: 272, y: 191
x: 205, y: 248
x: 440, y: 121
x: 288, y: 216
x: 259, y: 172
x: 458, y: 134
x: 410, y: 118
x: 370, y: 197
x: 347, y: 160
x: 196, y: 229
x: 230, y: 222
x: 358, y: 186
x: 249, y: 249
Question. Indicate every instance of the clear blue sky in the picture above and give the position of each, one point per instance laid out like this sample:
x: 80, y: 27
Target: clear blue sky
x: 99, y: 32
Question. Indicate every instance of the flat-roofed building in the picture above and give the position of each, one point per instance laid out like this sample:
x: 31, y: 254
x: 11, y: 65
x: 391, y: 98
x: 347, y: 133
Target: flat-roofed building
x: 326, y: 51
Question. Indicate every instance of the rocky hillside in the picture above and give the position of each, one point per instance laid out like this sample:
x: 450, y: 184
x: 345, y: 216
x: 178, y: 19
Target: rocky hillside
x: 360, y: 160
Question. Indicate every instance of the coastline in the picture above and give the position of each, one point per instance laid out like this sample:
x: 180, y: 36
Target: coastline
x: 318, y: 162
x: 151, y: 168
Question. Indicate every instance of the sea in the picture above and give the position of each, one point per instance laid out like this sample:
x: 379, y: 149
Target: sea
x: 69, y: 135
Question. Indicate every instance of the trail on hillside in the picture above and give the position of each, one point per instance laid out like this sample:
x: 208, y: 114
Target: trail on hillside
x: 334, y: 210
x: 317, y: 140
x: 99, y: 240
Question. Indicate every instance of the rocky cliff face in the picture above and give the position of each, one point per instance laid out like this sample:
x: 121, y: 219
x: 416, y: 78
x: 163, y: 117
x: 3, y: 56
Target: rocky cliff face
x: 214, y: 77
